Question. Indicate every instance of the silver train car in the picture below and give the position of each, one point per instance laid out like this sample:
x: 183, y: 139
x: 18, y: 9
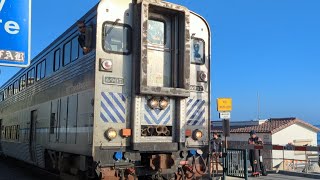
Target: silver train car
x: 137, y: 106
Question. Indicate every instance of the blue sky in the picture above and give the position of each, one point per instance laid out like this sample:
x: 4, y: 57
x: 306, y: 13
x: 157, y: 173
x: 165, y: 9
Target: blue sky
x: 266, y: 46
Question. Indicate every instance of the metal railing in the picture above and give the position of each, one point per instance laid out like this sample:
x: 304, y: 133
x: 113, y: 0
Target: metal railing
x: 236, y: 163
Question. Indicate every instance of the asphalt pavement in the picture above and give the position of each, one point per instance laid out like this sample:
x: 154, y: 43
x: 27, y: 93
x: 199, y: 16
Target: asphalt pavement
x: 11, y: 169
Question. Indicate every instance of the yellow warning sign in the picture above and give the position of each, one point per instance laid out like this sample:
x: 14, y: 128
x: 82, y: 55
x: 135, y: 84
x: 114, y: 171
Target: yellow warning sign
x: 224, y: 104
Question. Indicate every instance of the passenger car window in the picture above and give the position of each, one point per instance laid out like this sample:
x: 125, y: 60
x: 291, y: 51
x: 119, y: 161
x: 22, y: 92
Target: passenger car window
x: 5, y: 93
x: 116, y: 38
x: 41, y: 70
x: 156, y: 32
x: 30, y: 77
x: 197, y: 51
x: 56, y: 64
x: 67, y: 53
x: 10, y: 90
x: 1, y: 96
x: 22, y: 82
x: 74, y: 49
x: 16, y: 87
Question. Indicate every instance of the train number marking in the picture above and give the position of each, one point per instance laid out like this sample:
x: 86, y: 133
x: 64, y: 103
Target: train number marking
x: 196, y: 88
x: 113, y: 80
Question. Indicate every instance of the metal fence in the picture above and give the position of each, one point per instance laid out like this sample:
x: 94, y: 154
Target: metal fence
x: 236, y: 164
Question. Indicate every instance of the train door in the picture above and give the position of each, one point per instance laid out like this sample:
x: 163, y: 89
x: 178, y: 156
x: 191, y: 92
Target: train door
x: 159, y: 51
x: 72, y: 119
x: 54, y: 135
x: 63, y: 119
x: 164, y: 60
x: 32, y: 136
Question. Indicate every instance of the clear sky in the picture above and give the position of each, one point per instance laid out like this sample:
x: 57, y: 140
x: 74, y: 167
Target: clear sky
x: 270, y: 47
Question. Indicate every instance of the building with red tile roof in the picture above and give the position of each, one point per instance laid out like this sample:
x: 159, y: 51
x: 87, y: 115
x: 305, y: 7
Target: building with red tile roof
x: 276, y: 131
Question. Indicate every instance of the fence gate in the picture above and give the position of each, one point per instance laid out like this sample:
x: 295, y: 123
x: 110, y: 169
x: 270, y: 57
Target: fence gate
x: 236, y: 163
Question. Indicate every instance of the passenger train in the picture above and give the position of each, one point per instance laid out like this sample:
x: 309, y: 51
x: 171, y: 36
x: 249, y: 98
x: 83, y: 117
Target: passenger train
x: 137, y: 106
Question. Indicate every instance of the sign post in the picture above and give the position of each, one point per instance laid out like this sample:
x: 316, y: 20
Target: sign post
x: 15, y: 32
x: 224, y: 107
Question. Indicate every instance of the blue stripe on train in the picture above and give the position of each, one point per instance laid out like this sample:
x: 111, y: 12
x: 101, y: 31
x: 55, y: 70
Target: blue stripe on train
x: 195, y: 112
x: 157, y: 116
x: 113, y: 107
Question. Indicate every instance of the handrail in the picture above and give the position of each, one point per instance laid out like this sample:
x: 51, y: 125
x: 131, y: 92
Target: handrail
x: 281, y: 147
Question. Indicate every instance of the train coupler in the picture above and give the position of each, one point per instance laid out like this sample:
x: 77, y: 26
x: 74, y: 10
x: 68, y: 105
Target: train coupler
x: 112, y: 173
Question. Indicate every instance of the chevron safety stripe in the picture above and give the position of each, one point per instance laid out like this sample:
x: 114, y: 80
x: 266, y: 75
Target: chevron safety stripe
x: 195, y: 112
x: 157, y: 116
x: 113, y: 107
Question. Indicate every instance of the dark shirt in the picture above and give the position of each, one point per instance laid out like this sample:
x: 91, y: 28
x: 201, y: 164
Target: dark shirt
x: 82, y: 40
x: 216, y: 145
x: 255, y: 140
x: 85, y: 39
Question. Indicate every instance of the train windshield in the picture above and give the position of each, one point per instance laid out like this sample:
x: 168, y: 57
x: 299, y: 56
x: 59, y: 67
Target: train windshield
x: 117, y: 38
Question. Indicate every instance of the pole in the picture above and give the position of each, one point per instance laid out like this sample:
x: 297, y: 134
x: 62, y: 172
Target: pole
x: 224, y: 172
x: 258, y: 106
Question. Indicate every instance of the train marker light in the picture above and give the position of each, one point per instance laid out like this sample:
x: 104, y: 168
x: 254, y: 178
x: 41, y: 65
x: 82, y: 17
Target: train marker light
x: 125, y: 132
x: 202, y: 76
x: 188, y: 132
x: 106, y: 65
x: 111, y: 134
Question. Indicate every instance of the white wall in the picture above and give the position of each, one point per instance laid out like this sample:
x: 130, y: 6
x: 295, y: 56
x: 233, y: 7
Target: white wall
x: 288, y: 135
x: 294, y: 132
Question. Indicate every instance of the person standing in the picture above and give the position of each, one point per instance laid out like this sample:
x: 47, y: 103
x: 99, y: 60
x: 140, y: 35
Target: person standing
x: 254, y: 153
x: 216, y: 150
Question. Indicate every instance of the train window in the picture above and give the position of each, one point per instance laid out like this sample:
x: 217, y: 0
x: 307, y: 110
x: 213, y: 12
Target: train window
x: 6, y: 132
x: 38, y: 71
x: 30, y: 77
x: 74, y: 49
x: 198, y: 51
x: 156, y: 32
x: 13, y: 132
x: 10, y: 90
x: 1, y: 96
x: 18, y: 132
x: 2, y: 130
x: 52, y: 122
x: 66, y: 53
x: 22, y: 82
x: 10, y: 132
x: 16, y: 87
x: 41, y: 70
x: 56, y: 64
x: 5, y: 93
x: 116, y: 38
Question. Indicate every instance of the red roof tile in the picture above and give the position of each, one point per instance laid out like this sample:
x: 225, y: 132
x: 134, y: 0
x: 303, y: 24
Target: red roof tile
x: 272, y: 126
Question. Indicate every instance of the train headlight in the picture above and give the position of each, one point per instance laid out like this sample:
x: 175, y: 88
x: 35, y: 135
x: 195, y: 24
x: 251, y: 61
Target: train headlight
x: 164, y: 103
x: 153, y: 103
x: 111, y: 134
x: 197, y: 134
